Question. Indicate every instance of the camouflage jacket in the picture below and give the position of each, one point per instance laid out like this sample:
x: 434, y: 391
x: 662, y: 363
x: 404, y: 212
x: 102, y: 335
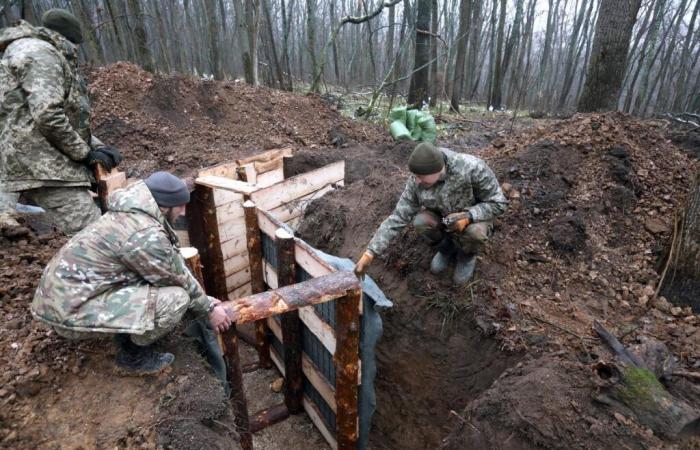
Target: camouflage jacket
x: 85, y: 286
x: 468, y: 185
x: 44, y: 111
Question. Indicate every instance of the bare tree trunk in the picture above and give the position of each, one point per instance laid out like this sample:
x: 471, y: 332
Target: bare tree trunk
x: 546, y: 51
x: 336, y: 66
x: 271, y: 38
x: 419, y: 90
x: 7, y: 12
x: 571, y: 55
x: 461, y: 44
x: 474, y: 46
x: 495, y: 99
x: 492, y: 48
x: 159, y: 17
x: 683, y: 74
x: 121, y: 49
x: 434, y: 88
x: 28, y: 12
x: 311, y: 32
x: 214, y: 40
x: 513, y: 42
x: 606, y: 69
x: 286, y: 24
x: 143, y: 51
x: 250, y: 56
x: 95, y: 54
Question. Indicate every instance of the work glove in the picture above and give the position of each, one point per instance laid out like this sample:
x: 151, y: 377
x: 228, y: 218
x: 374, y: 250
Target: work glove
x: 457, y: 222
x: 109, y: 157
x: 363, y: 264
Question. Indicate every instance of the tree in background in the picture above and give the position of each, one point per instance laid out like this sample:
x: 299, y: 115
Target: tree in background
x: 419, y: 90
x: 606, y: 70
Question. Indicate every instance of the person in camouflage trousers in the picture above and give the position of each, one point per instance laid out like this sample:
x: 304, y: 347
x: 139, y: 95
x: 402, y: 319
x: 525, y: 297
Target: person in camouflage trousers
x: 123, y: 275
x: 453, y: 200
x: 46, y: 146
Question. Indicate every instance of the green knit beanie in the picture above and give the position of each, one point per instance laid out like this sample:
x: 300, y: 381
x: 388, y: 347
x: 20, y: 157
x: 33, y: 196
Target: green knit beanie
x: 426, y: 159
x: 63, y: 22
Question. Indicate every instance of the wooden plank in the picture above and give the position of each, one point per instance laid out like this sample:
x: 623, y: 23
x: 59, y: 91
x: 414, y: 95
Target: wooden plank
x: 236, y: 263
x: 225, y: 196
x: 319, y: 382
x: 319, y: 328
x: 294, y: 223
x: 238, y: 279
x: 231, y: 211
x: 316, y: 418
x: 232, y: 247
x: 267, y: 156
x: 268, y: 166
x: 248, y: 173
x: 298, y: 186
x: 275, y: 327
x: 269, y: 178
x: 226, y: 183
x: 296, y: 207
x: 226, y: 170
x: 232, y: 230
x: 307, y: 259
x: 242, y: 291
x: 347, y: 367
x: 270, y: 276
x: 267, y: 223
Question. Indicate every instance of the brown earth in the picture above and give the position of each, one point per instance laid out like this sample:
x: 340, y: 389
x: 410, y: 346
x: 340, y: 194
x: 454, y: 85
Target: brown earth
x: 592, y: 203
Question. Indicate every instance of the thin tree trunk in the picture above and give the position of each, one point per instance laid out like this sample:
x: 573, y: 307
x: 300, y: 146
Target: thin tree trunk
x: 311, y: 32
x: 336, y: 66
x: 474, y: 47
x: 143, y: 51
x: 121, y: 49
x: 434, y: 88
x: 495, y: 100
x: 461, y: 44
x: 250, y: 56
x: 606, y: 69
x: 95, y: 54
x: 683, y: 74
x: 419, y: 90
x: 571, y: 56
x: 271, y: 38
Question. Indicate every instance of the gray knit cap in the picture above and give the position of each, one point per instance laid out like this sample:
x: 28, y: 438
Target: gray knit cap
x: 168, y: 190
x: 426, y: 159
x: 63, y: 22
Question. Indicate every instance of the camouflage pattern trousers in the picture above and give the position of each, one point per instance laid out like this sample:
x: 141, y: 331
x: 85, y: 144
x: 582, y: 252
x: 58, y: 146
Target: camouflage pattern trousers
x: 69, y: 208
x: 171, y: 304
x: 429, y: 225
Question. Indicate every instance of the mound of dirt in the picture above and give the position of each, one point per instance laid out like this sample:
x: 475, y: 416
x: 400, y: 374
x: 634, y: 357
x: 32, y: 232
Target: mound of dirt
x: 592, y: 203
x: 181, y: 124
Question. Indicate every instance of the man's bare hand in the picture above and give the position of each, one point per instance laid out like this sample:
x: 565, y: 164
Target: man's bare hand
x: 218, y: 319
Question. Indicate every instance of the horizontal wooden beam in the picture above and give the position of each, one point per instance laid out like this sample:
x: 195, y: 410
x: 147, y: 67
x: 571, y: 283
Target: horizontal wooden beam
x: 226, y: 170
x: 269, y: 155
x: 291, y: 298
x: 295, y: 208
x: 298, y: 186
x: 228, y: 184
x: 236, y: 263
x: 269, y: 178
x: 267, y: 417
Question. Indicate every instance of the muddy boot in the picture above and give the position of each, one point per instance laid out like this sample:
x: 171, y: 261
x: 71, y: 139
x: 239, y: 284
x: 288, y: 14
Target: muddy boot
x: 439, y: 263
x: 136, y: 360
x: 464, y: 269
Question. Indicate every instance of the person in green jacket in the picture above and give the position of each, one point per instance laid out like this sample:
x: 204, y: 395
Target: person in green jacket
x: 123, y: 275
x: 452, y: 199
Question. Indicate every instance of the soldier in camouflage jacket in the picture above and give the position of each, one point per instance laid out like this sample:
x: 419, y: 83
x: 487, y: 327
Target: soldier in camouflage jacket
x: 124, y: 275
x: 45, y: 138
x: 452, y: 200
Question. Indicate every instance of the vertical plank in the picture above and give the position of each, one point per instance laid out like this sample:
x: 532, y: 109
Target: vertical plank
x: 204, y: 236
x: 257, y: 280
x: 193, y: 262
x: 237, y: 396
x: 347, y: 368
x: 291, y: 325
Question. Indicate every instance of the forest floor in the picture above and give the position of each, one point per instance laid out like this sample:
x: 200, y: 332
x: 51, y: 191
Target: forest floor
x: 503, y: 363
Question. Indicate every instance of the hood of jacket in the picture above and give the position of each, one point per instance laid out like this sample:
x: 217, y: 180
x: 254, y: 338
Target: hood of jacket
x: 26, y: 30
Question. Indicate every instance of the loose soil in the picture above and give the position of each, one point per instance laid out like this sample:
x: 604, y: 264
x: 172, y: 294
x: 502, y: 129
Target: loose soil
x: 503, y: 363
x: 592, y: 199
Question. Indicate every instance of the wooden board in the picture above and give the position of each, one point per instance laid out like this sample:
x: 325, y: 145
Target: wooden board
x: 298, y: 186
x: 236, y: 263
x: 307, y: 259
x: 224, y: 187
x: 318, y: 327
x: 234, y: 247
x: 241, y: 291
x: 315, y: 416
x: 296, y: 207
x: 238, y: 279
x: 268, y: 224
x: 226, y: 170
x: 269, y: 178
x: 267, y: 156
x: 231, y: 211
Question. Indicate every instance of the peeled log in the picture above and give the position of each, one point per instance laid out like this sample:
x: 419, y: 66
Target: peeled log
x: 290, y: 298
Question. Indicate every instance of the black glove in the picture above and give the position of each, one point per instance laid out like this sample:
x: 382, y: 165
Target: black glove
x: 108, y: 157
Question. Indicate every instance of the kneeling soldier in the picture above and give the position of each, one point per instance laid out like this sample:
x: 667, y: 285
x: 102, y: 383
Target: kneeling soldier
x: 452, y: 199
x: 124, y: 275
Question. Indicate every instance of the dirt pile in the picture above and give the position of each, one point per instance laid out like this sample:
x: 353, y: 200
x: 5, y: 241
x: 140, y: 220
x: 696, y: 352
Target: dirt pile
x: 592, y: 203
x: 170, y: 122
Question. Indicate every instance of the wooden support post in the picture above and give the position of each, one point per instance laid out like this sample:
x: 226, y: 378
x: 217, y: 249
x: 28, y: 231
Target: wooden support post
x: 268, y: 417
x: 257, y: 278
x: 191, y: 256
x: 347, y: 312
x: 235, y: 379
x: 291, y: 326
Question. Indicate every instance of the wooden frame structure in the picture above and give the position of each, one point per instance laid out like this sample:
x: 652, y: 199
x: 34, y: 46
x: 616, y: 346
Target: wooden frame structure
x: 240, y: 228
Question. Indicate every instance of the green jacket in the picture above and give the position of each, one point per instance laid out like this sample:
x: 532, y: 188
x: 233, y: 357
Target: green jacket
x: 90, y: 283
x: 468, y: 185
x: 44, y: 111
